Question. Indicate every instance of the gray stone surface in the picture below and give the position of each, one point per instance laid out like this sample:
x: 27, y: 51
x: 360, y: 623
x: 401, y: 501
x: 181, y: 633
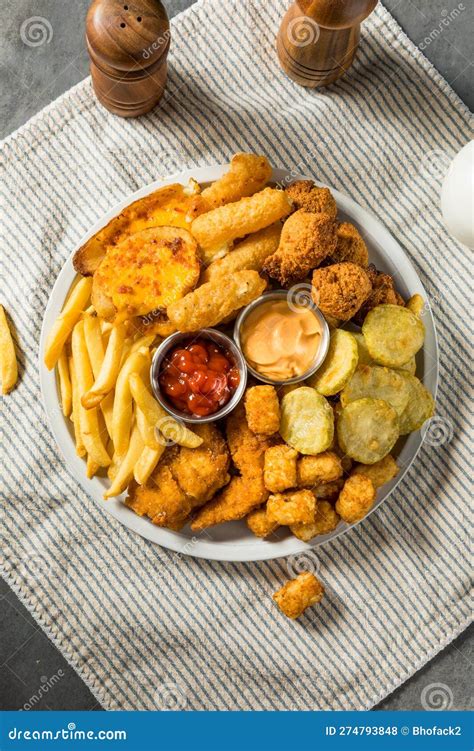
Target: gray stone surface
x: 30, y: 78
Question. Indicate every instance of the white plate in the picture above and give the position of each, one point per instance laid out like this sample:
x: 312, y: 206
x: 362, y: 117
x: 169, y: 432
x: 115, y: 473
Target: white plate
x: 233, y: 541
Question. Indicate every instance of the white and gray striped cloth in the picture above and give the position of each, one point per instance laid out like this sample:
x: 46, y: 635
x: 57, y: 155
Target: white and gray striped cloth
x: 145, y: 628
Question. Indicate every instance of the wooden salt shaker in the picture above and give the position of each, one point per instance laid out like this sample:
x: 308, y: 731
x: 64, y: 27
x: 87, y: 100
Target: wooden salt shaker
x: 128, y: 43
x: 318, y: 39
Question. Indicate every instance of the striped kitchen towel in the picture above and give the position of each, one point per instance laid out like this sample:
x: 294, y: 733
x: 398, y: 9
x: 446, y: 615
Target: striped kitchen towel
x: 146, y: 628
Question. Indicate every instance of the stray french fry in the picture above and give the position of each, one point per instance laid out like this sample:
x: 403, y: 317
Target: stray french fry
x: 123, y: 406
x: 65, y: 388
x: 66, y: 321
x: 250, y: 254
x: 173, y: 431
x: 147, y: 462
x: 76, y: 407
x: 8, y: 363
x: 88, y: 418
x: 125, y: 468
x: 109, y: 370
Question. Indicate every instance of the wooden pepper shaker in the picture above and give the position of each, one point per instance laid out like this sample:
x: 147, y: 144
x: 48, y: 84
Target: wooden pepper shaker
x: 318, y: 39
x: 128, y: 43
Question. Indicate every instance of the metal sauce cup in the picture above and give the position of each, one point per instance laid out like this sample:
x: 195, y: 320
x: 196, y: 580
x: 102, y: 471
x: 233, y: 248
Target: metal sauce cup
x: 304, y: 301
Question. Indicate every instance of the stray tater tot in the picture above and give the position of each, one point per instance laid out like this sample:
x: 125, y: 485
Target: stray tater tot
x: 248, y: 174
x: 259, y: 523
x: 262, y: 409
x: 249, y: 254
x: 279, y: 471
x: 356, y: 498
x: 380, y: 472
x: 298, y: 507
x: 313, y: 470
x: 325, y: 521
x: 298, y: 594
x: 350, y: 246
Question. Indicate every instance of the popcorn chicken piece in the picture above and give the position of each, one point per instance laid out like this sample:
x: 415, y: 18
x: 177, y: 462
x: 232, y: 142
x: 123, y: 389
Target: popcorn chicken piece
x: 280, y: 468
x: 298, y: 594
x: 325, y: 521
x: 380, y: 472
x: 262, y: 409
x: 328, y: 490
x: 350, y: 246
x: 313, y: 470
x: 259, y: 523
x: 304, y: 194
x: 340, y: 290
x: 298, y: 507
x: 356, y: 498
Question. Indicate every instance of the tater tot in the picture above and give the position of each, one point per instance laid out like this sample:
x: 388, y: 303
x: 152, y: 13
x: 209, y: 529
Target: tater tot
x: 298, y: 594
x: 298, y: 507
x: 248, y: 174
x: 259, y: 523
x: 313, y: 470
x: 328, y: 490
x: 356, y: 498
x: 209, y: 304
x: 380, y: 472
x: 280, y: 468
x: 227, y: 223
x: 249, y: 254
x: 262, y: 409
x: 325, y: 521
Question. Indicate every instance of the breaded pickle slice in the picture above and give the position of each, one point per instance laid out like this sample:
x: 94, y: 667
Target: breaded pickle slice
x: 307, y: 421
x: 364, y: 354
x: 378, y: 383
x: 393, y: 334
x: 367, y: 429
x: 420, y: 406
x: 339, y: 365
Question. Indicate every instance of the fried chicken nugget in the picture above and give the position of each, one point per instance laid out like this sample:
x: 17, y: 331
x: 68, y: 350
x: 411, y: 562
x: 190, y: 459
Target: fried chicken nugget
x: 226, y: 223
x: 341, y: 289
x: 262, y: 409
x: 298, y: 594
x: 324, y: 467
x: 306, y: 240
x: 250, y: 254
x: 356, y: 498
x: 209, y: 304
x: 325, y: 521
x: 259, y: 523
x: 279, y: 472
x: 350, y: 246
x: 248, y: 174
x: 383, y: 293
x: 306, y: 195
x: 297, y: 507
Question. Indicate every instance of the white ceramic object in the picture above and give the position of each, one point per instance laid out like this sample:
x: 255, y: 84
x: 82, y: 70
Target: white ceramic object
x: 457, y: 196
x: 233, y: 541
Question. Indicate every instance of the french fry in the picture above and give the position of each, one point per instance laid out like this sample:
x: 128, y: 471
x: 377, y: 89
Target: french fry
x: 147, y: 462
x: 143, y: 341
x: 91, y: 467
x: 66, y: 321
x: 125, y: 468
x: 76, y: 407
x: 88, y: 418
x: 147, y: 431
x: 65, y: 388
x: 8, y: 363
x: 109, y: 370
x: 95, y: 345
x: 173, y: 431
x: 123, y: 405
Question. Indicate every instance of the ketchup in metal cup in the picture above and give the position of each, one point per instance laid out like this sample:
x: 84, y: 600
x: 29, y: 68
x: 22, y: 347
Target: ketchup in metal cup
x: 199, y: 378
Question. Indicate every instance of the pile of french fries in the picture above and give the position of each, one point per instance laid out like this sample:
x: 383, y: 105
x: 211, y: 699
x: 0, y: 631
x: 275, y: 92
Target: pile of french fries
x: 104, y: 384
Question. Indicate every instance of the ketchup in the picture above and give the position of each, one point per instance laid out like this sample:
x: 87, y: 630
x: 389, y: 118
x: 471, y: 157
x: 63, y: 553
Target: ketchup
x: 199, y: 378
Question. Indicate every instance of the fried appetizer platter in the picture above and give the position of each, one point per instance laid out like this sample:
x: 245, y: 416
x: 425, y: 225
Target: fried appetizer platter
x: 303, y: 455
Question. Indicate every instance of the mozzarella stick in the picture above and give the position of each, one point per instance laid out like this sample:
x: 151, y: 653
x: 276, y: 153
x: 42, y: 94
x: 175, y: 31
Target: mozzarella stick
x: 226, y: 223
x: 209, y: 304
x: 250, y: 254
x: 248, y: 174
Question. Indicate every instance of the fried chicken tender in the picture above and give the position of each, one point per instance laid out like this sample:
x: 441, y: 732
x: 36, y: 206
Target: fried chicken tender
x: 183, y: 480
x: 350, y: 246
x: 279, y: 471
x: 324, y: 467
x: 306, y: 240
x: 250, y: 254
x: 380, y: 472
x: 356, y: 498
x: 248, y: 174
x: 341, y: 289
x: 383, y: 293
x: 325, y: 521
x: 296, y: 507
x: 262, y: 409
x: 259, y: 523
x: 298, y: 594
x: 304, y: 194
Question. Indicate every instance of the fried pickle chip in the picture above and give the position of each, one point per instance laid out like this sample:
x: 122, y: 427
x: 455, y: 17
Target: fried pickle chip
x: 420, y: 405
x: 364, y: 354
x: 410, y: 366
x: 367, y: 429
x: 339, y: 365
x: 380, y: 472
x: 379, y: 383
x: 325, y: 521
x: 393, y: 334
x: 307, y: 421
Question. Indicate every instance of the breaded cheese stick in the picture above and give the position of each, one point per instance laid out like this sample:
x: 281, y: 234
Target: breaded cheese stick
x: 249, y: 254
x: 248, y: 174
